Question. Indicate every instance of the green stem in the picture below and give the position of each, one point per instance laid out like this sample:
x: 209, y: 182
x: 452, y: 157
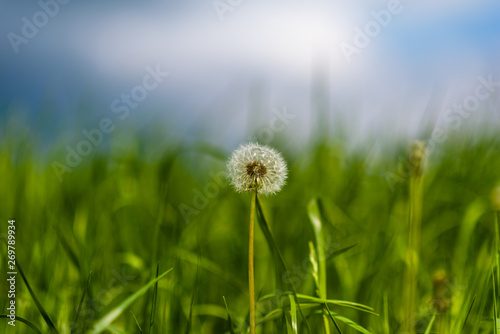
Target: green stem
x: 251, y: 279
x: 412, y: 253
x: 327, y: 325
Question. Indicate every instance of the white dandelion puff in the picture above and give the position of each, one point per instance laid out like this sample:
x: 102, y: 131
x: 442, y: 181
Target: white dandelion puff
x: 257, y: 167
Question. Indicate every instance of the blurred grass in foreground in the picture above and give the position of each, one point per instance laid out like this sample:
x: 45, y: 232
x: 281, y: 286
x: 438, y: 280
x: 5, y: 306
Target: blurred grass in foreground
x: 120, y: 213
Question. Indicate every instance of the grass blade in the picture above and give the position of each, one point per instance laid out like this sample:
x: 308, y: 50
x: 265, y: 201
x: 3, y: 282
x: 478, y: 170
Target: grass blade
x: 314, y: 217
x: 350, y: 323
x: 190, y: 318
x: 386, y: 314
x: 429, y: 326
x: 468, y: 313
x: 333, y: 319
x: 44, y: 313
x: 279, y: 311
x: 289, y: 329
x: 229, y: 321
x: 339, y: 252
x: 293, y: 314
x: 193, y: 295
x: 344, y: 303
x: 81, y: 303
x: 317, y: 300
x: 153, y: 306
x: 33, y: 327
x: 136, y: 322
x: 67, y: 248
x: 313, y: 259
x: 105, y: 321
x: 264, y: 225
x: 320, y: 258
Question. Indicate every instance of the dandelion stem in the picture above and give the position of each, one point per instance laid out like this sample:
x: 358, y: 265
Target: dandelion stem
x: 251, y: 279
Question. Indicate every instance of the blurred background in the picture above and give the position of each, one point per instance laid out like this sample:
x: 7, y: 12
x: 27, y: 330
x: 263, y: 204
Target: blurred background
x: 231, y: 64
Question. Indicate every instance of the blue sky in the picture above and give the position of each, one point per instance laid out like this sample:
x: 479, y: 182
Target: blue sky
x: 90, y: 53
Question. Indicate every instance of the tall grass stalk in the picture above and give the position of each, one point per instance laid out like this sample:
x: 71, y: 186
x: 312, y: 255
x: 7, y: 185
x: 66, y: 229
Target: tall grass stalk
x: 251, y: 274
x: 321, y: 281
x: 410, y: 290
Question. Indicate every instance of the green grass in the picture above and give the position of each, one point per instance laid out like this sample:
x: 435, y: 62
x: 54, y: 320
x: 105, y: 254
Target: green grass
x: 330, y: 248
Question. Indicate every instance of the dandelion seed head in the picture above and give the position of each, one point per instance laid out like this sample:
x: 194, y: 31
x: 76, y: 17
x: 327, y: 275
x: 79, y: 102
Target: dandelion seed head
x: 257, y: 167
x: 418, y: 156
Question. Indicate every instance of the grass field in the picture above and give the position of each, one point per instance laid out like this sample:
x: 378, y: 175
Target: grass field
x: 347, y: 226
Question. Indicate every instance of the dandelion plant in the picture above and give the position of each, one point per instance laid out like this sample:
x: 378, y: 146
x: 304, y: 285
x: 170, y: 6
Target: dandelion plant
x: 259, y: 169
